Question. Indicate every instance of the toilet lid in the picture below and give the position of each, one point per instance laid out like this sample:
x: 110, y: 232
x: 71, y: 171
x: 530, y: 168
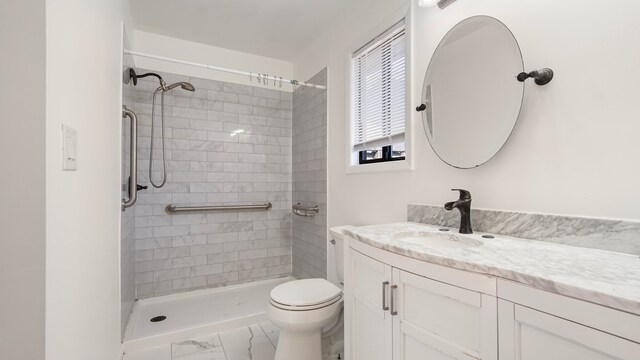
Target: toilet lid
x: 305, y: 292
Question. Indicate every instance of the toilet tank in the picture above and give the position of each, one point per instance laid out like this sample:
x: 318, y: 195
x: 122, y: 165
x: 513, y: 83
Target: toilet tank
x: 335, y: 256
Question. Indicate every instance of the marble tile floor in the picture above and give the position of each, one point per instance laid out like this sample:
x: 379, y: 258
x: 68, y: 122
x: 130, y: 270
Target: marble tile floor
x: 254, y: 342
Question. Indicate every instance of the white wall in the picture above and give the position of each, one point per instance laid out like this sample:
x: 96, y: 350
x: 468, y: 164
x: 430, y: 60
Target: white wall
x: 83, y: 86
x: 160, y: 45
x: 22, y: 180
x: 574, y: 150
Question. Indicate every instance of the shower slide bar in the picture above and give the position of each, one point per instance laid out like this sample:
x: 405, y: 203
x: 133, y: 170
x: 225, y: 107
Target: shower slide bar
x: 133, y: 159
x: 265, y: 77
x: 172, y: 209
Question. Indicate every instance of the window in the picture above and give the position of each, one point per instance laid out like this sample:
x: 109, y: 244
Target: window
x: 378, y: 98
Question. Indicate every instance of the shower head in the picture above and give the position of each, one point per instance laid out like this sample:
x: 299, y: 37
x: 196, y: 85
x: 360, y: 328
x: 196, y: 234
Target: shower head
x: 184, y: 85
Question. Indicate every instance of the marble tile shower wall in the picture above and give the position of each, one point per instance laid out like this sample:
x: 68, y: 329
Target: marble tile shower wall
x: 310, y: 179
x: 226, y: 144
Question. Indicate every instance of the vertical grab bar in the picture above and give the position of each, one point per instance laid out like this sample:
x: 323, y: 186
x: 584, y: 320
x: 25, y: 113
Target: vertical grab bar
x: 133, y: 164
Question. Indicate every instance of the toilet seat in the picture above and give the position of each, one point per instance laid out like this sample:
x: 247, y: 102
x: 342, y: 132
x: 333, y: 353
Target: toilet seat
x: 305, y: 308
x: 305, y: 295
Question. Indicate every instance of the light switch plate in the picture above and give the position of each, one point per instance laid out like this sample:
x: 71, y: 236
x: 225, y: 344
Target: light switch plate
x: 69, y: 148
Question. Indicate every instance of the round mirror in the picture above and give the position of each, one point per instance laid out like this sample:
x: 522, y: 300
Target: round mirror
x: 471, y: 98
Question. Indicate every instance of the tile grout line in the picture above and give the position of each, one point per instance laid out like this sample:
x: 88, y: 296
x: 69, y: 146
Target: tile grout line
x: 224, y: 351
x: 268, y: 338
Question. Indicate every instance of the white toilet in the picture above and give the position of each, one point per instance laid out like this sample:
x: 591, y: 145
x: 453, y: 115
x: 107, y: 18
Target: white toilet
x: 304, y: 309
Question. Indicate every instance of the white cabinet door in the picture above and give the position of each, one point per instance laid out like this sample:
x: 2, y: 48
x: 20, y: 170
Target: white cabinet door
x: 527, y: 334
x: 368, y: 322
x: 440, y: 321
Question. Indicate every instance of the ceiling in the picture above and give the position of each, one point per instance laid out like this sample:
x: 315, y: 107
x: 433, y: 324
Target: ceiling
x: 273, y: 28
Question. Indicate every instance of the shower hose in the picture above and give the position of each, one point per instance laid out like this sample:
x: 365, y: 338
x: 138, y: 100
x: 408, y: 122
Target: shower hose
x: 153, y: 117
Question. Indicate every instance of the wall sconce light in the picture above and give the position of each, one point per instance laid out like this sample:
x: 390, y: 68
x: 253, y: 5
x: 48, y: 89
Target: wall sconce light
x: 441, y: 3
x: 427, y: 3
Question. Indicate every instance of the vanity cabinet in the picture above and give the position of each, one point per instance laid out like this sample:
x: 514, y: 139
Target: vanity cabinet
x: 539, y: 325
x: 392, y: 313
x: 401, y: 308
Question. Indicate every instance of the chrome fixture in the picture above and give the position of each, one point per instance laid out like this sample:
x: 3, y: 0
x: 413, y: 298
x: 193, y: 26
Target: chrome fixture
x: 163, y: 88
x: 184, y: 85
x: 541, y: 77
x: 172, y: 209
x: 300, y: 210
x: 463, y: 204
x: 133, y: 159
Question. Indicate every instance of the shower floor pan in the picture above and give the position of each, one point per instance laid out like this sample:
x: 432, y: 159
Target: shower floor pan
x: 195, y: 313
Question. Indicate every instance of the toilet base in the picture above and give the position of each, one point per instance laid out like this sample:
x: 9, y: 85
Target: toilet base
x: 299, y: 345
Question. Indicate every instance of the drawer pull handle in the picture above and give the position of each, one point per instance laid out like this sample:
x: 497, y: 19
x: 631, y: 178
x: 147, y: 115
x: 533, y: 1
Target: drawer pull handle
x: 384, y: 296
x: 393, y: 300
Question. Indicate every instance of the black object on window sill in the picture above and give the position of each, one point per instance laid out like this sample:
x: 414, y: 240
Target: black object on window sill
x: 387, y: 155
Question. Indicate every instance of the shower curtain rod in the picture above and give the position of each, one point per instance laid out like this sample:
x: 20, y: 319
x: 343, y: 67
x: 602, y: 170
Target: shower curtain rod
x: 260, y: 77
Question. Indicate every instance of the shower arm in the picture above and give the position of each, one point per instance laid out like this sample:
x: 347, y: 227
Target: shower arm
x: 134, y: 77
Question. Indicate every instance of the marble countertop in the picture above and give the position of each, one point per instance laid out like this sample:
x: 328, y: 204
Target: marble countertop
x: 602, y: 277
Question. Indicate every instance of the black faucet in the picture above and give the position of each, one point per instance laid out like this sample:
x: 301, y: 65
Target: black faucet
x: 464, y: 205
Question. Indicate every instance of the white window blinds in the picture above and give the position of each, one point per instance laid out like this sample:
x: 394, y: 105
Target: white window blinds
x: 378, y: 91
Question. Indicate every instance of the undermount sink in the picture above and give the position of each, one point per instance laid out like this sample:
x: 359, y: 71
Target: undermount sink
x: 438, y: 240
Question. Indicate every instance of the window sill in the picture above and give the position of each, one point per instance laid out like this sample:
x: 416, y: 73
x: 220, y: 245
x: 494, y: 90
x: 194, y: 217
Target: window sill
x: 388, y: 166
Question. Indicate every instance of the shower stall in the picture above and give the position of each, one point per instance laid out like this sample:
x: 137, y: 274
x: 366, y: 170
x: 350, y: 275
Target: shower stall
x: 212, y: 229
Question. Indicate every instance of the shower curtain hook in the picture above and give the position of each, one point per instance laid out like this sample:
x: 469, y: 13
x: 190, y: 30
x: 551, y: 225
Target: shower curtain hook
x: 251, y: 76
x: 280, y: 82
x: 259, y: 78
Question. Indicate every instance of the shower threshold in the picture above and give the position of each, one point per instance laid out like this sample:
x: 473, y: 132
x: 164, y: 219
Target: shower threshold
x: 195, y: 313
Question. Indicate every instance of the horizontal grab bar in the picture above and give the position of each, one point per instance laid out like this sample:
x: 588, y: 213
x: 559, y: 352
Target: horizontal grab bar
x: 300, y: 210
x: 172, y: 209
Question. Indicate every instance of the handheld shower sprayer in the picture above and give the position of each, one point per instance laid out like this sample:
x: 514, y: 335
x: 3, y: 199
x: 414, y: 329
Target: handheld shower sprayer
x: 184, y: 85
x: 163, y: 88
